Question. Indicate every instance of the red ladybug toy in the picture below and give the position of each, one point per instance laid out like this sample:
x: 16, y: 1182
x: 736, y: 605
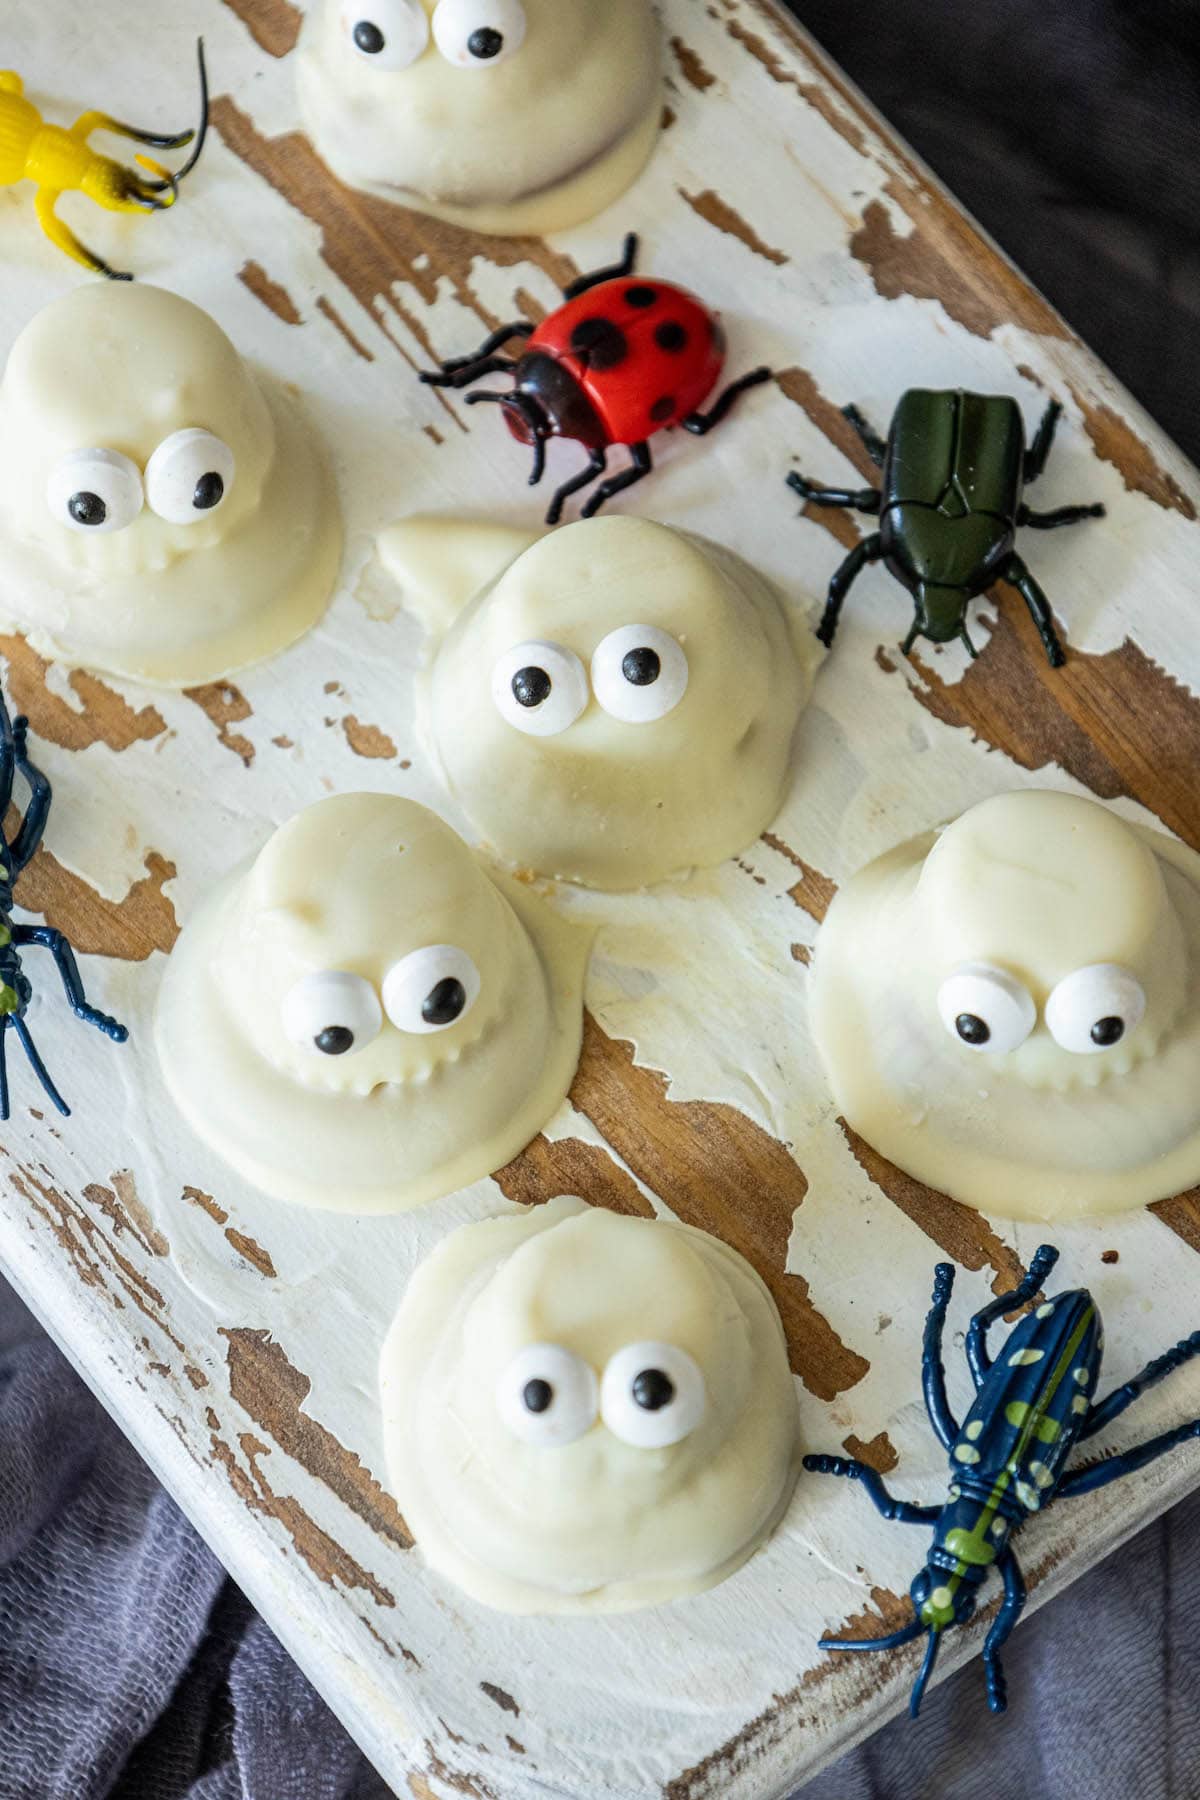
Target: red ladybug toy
x: 619, y: 361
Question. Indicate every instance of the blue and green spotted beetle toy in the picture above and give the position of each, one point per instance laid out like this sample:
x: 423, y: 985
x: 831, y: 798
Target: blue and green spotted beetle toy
x: 16, y: 990
x: 1008, y: 1457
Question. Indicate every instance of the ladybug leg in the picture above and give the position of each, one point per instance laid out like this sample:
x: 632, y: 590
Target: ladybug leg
x: 875, y: 446
x: 1062, y: 515
x: 864, y: 500
x: 1014, y: 570
x: 582, y: 283
x: 596, y: 467
x: 472, y: 365
x: 640, y: 466
x: 869, y: 551
x: 701, y: 423
x: 1039, y: 450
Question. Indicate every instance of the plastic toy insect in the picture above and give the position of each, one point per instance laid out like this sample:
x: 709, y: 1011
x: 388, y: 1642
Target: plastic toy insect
x: 1032, y: 1406
x: 617, y: 362
x: 60, y: 160
x: 16, y: 990
x: 949, y: 504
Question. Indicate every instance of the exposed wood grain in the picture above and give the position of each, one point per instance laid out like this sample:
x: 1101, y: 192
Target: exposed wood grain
x: 273, y: 24
x: 226, y: 706
x: 710, y: 207
x: 273, y: 294
x: 131, y: 929
x: 101, y: 716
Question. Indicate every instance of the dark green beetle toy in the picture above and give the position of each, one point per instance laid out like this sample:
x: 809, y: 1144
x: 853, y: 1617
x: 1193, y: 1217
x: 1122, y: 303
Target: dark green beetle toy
x: 949, y: 504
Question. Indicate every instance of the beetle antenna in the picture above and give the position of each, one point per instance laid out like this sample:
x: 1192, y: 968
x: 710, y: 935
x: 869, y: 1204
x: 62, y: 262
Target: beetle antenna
x: 922, y: 1681
x: 198, y: 137
x: 4, y: 1025
x: 38, y: 1066
x: 893, y: 1642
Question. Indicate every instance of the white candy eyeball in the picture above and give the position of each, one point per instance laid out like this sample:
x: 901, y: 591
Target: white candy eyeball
x: 332, y: 1012
x: 1094, y: 1008
x: 652, y: 1395
x: 388, y: 34
x: 540, y: 688
x: 95, y: 490
x: 431, y: 989
x: 547, y: 1395
x: 189, y: 476
x: 986, y: 1008
x: 478, y: 34
x: 639, y: 674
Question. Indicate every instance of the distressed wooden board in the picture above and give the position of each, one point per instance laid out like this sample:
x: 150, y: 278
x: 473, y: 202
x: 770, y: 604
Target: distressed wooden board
x: 236, y: 1339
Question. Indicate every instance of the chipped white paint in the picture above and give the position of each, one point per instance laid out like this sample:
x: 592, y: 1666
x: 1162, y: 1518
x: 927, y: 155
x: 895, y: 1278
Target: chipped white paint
x: 702, y: 977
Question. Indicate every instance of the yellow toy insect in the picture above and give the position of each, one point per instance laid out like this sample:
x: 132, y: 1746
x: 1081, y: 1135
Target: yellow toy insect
x: 60, y: 160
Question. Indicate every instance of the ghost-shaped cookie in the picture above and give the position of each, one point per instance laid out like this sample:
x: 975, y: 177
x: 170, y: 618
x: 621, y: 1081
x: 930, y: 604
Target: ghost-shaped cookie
x: 614, y: 706
x: 587, y: 1412
x: 1009, y: 1009
x: 509, y: 116
x: 364, y: 1019
x: 165, y: 512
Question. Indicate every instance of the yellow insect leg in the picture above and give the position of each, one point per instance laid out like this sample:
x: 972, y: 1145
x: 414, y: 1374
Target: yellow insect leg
x: 10, y: 82
x: 64, y: 239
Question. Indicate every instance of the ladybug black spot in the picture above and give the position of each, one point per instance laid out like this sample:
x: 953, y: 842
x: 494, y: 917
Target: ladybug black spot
x: 663, y: 409
x: 641, y: 297
x: 671, y: 336
x: 599, y: 344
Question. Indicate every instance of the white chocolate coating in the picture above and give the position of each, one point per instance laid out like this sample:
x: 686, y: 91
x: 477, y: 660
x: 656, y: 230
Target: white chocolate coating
x: 537, y: 141
x: 354, y: 887
x: 608, y: 801
x: 598, y: 1523
x: 122, y: 368
x: 1065, y: 912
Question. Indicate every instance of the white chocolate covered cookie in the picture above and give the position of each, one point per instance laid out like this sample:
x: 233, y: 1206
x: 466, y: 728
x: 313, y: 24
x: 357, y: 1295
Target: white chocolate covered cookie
x: 587, y: 1412
x: 618, y: 704
x: 165, y: 513
x: 364, y: 1019
x: 509, y: 116
x: 1010, y: 1009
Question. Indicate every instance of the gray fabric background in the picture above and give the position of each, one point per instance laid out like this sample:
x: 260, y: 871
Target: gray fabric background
x: 130, y: 1666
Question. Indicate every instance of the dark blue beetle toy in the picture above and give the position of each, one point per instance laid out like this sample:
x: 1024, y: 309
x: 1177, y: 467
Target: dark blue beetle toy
x: 15, y: 988
x: 1008, y: 1456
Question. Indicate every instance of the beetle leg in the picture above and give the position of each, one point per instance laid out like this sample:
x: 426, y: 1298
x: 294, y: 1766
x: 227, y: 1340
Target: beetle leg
x: 864, y: 500
x: 700, y: 424
x: 641, y: 466
x: 1105, y: 1411
x: 64, y: 239
x: 1018, y: 574
x: 1039, y: 450
x: 868, y: 551
x: 460, y: 365
x: 45, y: 937
x: 5, y: 1111
x: 1044, y: 1259
x: 906, y: 1512
x: 1062, y: 515
x: 1002, y: 1626
x: 1126, y: 1462
x: 38, y: 1066
x: 875, y: 446
x: 595, y: 468
x: 582, y: 283
x: 933, y: 1374
x: 29, y: 834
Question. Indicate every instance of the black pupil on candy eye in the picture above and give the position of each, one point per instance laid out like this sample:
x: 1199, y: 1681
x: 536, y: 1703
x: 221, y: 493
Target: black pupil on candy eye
x: 210, y: 491
x: 536, y: 1395
x: 641, y: 667
x: 335, y: 1040
x: 87, y: 509
x: 531, y: 686
x: 369, y: 38
x: 443, y: 1004
x: 1108, y: 1031
x: 485, y: 43
x: 971, y: 1028
x: 652, y: 1390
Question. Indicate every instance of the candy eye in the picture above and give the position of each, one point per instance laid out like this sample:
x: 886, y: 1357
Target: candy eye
x: 389, y: 34
x: 639, y: 674
x: 547, y: 1395
x: 986, y: 1008
x: 540, y: 688
x: 95, y: 490
x: 478, y: 34
x: 189, y: 476
x: 431, y: 989
x: 1094, y: 1008
x: 652, y: 1395
x: 332, y: 1012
